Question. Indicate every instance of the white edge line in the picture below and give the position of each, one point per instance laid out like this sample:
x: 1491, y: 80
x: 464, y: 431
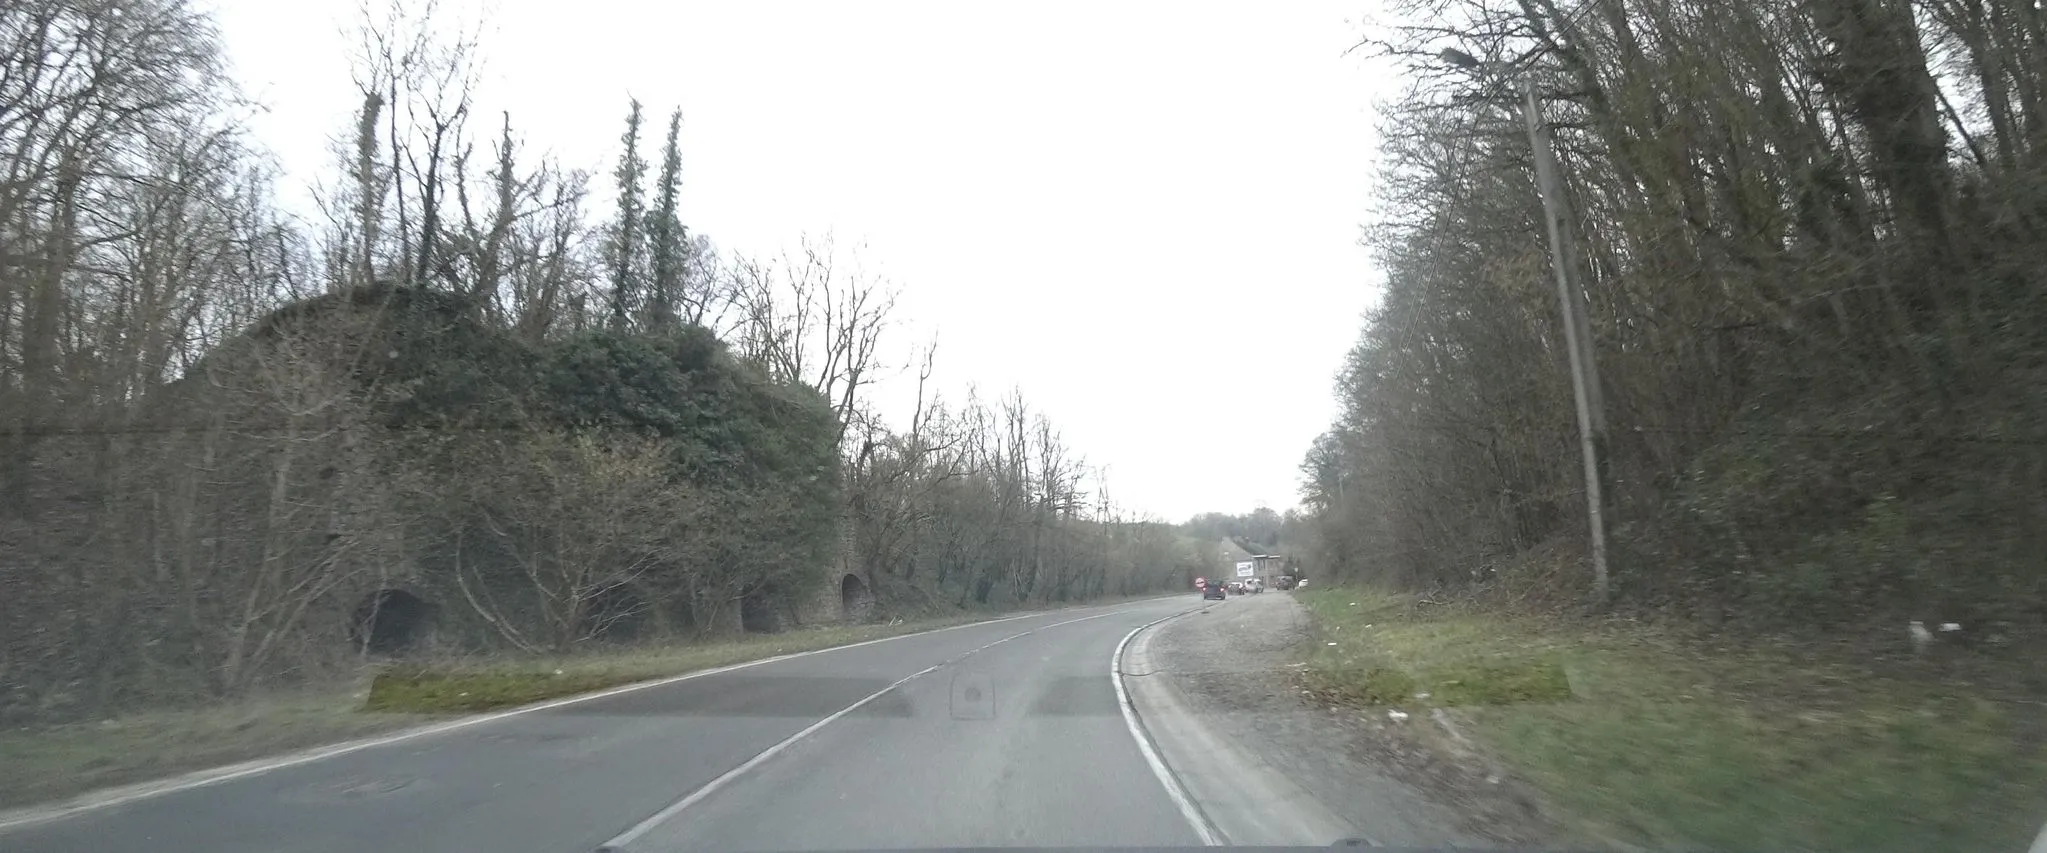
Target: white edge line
x: 202, y: 778
x: 1171, y: 783
x: 619, y: 842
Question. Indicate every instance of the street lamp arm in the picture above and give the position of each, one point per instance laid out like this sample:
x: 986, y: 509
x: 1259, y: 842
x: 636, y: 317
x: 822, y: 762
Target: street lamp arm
x: 1459, y: 59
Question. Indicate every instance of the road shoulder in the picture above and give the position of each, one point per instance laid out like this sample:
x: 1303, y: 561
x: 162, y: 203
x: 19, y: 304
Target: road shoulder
x: 1217, y: 695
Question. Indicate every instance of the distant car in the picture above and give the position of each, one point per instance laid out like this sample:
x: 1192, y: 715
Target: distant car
x: 1283, y: 582
x: 1213, y: 592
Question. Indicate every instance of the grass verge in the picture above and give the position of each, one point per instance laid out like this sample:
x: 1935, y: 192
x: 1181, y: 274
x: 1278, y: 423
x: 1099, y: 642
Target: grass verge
x: 484, y: 686
x: 48, y: 763
x: 1641, y: 736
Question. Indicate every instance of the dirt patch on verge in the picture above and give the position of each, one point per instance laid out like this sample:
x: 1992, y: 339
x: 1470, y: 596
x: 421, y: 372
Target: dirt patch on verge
x: 1239, y: 666
x: 1433, y: 754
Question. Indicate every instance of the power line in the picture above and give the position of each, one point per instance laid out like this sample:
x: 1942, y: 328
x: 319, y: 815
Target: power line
x: 1838, y: 435
x: 1829, y: 435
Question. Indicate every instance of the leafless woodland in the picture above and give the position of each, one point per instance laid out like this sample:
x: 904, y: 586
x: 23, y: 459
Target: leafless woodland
x: 1810, y: 234
x: 241, y: 448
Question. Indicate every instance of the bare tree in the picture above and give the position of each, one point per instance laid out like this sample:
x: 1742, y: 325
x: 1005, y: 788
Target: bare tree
x: 96, y: 96
x: 417, y: 75
x: 566, y: 527
x: 812, y: 322
x: 225, y: 433
x: 1784, y: 221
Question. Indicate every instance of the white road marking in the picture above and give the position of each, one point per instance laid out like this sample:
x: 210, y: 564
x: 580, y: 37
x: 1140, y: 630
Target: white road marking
x: 619, y: 842
x: 1174, y: 790
x: 214, y: 776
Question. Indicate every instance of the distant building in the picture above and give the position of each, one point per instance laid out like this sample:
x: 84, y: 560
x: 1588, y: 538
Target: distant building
x: 1267, y: 566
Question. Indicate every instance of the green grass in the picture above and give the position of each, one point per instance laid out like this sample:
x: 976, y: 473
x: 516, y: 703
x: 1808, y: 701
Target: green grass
x: 468, y: 688
x: 1643, y: 737
x: 51, y: 762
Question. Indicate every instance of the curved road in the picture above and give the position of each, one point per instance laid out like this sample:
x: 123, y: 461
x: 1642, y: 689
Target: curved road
x: 1005, y: 733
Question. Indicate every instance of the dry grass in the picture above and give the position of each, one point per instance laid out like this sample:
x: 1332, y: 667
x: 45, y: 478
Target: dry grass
x: 53, y: 762
x: 468, y: 688
x: 1653, y: 738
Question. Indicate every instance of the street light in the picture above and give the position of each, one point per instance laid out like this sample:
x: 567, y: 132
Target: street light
x: 1577, y: 324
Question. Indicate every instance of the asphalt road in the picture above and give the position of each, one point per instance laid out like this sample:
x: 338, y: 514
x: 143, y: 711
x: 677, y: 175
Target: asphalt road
x: 999, y: 734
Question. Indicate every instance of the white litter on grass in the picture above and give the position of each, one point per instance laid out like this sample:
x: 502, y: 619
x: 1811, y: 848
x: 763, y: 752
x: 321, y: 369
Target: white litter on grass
x: 1397, y: 716
x: 1442, y: 718
x: 1332, y: 644
x: 1421, y: 695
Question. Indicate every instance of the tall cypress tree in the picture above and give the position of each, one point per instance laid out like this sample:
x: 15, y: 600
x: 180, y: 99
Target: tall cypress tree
x: 667, y: 239
x: 625, y: 238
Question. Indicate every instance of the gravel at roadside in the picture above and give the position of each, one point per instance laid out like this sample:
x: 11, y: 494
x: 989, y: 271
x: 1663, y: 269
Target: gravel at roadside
x: 1231, y: 663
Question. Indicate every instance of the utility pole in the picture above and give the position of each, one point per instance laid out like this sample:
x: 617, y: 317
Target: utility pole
x: 1585, y: 388
x: 1577, y: 329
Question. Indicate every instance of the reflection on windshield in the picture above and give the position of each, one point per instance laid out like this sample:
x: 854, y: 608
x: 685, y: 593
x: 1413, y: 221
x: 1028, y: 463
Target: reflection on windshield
x: 718, y: 427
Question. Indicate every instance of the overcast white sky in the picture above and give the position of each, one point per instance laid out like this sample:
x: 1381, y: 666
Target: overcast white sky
x: 1142, y: 214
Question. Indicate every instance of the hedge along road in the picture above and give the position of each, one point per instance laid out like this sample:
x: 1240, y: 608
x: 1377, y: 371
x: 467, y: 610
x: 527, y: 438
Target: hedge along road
x: 997, y: 733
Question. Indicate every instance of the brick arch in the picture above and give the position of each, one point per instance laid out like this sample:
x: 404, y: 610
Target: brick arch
x: 827, y: 602
x: 856, y: 597
x: 393, y: 621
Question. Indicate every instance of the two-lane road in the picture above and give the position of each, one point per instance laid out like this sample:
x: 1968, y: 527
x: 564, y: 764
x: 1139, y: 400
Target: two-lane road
x: 1006, y: 733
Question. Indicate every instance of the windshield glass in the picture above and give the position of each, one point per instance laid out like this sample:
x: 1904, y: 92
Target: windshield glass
x: 450, y: 425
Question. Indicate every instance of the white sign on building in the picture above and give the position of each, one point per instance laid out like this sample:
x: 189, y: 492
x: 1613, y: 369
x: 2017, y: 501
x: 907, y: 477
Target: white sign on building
x: 1247, y: 569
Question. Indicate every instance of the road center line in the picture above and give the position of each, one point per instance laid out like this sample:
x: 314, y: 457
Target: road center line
x: 123, y: 795
x: 618, y: 843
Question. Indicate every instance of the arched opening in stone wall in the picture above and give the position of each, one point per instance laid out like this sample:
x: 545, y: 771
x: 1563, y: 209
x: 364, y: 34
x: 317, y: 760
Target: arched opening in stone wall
x: 392, y: 622
x: 856, y: 601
